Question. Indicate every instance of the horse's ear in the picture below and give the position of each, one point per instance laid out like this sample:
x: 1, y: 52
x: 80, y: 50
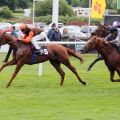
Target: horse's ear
x: 4, y: 33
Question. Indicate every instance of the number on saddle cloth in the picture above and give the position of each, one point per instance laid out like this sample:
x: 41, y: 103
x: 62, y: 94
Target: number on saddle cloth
x: 43, y: 50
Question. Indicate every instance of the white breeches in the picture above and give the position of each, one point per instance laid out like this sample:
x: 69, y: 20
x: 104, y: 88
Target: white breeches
x: 37, y: 38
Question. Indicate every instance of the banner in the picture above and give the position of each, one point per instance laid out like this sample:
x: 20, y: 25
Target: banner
x: 98, y: 8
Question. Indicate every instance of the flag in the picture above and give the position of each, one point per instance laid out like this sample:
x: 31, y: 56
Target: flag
x: 98, y: 8
x: 118, y: 4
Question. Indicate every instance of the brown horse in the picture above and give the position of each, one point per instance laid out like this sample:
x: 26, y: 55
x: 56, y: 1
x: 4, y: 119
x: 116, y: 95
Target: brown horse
x: 108, y: 52
x: 22, y: 54
x: 101, y: 31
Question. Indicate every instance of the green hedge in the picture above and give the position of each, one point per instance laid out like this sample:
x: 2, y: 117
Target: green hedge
x: 5, y: 12
x: 66, y: 19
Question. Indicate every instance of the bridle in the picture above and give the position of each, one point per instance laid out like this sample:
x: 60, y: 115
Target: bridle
x: 1, y: 38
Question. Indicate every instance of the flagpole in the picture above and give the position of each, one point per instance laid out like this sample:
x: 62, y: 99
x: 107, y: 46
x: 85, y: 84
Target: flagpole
x: 89, y: 15
x: 89, y: 12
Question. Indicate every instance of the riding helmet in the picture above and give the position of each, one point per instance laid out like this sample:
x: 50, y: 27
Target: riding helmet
x: 23, y: 26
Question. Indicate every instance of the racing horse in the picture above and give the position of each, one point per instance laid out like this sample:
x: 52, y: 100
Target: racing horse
x: 108, y: 52
x: 101, y: 31
x: 22, y: 54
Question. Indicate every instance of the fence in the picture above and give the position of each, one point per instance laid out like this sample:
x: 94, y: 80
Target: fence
x: 40, y: 71
x: 76, y: 42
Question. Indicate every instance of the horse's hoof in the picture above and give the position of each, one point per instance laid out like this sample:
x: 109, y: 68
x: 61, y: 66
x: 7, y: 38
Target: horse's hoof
x: 61, y: 84
x: 88, y: 69
x: 84, y: 83
x: 7, y: 86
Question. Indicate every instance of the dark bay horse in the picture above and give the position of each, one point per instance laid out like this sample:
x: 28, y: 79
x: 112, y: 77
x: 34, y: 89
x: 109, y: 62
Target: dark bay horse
x: 22, y: 54
x: 101, y: 31
x: 108, y: 52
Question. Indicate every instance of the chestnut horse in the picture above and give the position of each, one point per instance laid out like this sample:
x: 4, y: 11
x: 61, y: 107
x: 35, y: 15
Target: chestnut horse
x: 22, y: 54
x: 108, y: 52
x: 101, y: 31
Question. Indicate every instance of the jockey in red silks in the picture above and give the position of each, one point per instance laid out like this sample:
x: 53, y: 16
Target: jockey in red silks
x: 31, y: 35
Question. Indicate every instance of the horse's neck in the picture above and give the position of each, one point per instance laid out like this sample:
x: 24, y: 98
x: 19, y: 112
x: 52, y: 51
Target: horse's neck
x: 11, y: 40
x: 105, y: 50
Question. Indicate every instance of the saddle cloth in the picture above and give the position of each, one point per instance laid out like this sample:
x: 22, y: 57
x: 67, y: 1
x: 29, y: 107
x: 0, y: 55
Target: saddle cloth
x: 42, y: 51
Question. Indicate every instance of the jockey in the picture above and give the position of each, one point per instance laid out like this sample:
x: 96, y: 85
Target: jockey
x: 114, y: 37
x: 113, y: 34
x: 116, y: 24
x: 32, y: 35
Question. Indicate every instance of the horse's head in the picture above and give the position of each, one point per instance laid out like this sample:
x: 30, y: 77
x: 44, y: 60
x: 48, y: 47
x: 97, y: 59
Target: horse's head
x: 90, y: 45
x: 101, y: 31
x: 6, y: 38
x: 97, y: 43
x: 2, y: 39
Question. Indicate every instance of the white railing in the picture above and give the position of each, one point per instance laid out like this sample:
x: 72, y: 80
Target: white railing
x: 40, y: 71
x: 61, y: 42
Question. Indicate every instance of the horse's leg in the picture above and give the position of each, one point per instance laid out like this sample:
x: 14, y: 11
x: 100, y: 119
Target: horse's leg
x: 118, y: 80
x: 18, y: 67
x: 112, y: 73
x: 12, y: 62
x: 56, y: 65
x: 118, y: 72
x: 68, y: 64
x: 91, y: 65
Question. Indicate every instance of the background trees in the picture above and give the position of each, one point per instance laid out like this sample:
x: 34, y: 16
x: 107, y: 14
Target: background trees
x: 14, y: 4
x: 44, y: 8
x: 5, y: 12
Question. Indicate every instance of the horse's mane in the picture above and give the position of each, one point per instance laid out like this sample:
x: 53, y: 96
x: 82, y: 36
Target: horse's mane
x: 104, y: 44
x: 11, y: 37
x: 101, y: 31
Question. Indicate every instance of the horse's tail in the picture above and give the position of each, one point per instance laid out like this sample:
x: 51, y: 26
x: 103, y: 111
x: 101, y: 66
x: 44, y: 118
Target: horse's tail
x: 70, y: 52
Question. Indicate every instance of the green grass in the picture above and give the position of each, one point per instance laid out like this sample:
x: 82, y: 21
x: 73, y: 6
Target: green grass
x: 41, y: 98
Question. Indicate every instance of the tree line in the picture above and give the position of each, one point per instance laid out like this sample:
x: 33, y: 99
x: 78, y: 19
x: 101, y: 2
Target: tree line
x: 44, y: 8
x: 15, y: 4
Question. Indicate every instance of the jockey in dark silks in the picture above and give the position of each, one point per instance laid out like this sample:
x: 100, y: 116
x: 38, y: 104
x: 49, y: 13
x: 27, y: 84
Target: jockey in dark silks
x: 116, y: 42
x: 112, y: 38
x: 30, y: 35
